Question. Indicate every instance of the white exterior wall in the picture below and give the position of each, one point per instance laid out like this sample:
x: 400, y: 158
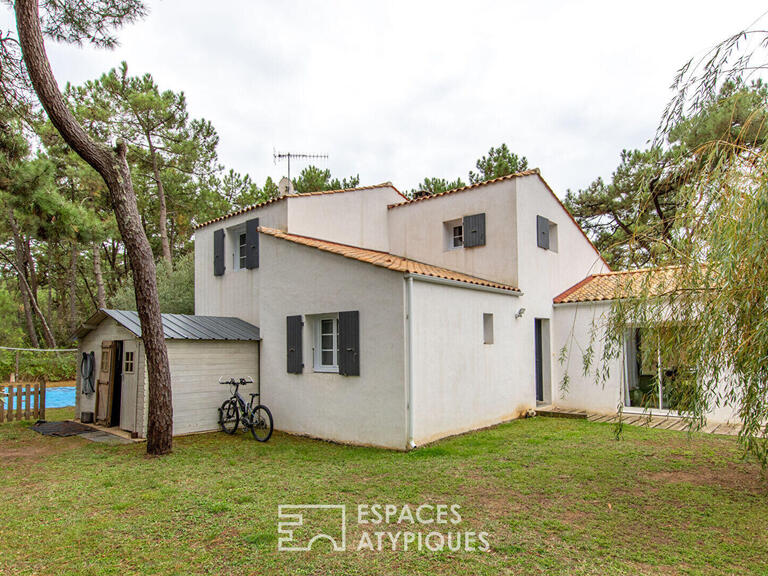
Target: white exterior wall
x: 545, y: 274
x: 573, y: 324
x: 196, y: 366
x: 356, y: 217
x: 459, y: 382
x: 572, y: 331
x: 365, y: 409
x: 232, y: 294
x: 416, y: 231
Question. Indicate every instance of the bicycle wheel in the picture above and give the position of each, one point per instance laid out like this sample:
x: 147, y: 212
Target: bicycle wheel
x: 261, y: 423
x: 229, y: 416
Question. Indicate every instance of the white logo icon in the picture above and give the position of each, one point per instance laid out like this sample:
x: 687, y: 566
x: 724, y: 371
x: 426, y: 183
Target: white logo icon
x: 296, y: 535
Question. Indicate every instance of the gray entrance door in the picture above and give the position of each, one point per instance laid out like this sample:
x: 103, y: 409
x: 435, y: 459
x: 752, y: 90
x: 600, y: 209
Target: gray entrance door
x: 539, y: 366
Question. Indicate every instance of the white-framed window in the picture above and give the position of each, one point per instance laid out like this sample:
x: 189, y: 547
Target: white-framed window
x: 241, y: 244
x: 326, y: 343
x: 129, y: 363
x: 453, y: 234
x: 237, y: 247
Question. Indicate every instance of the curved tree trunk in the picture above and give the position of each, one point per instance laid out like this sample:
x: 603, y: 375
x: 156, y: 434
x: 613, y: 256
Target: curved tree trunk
x: 113, y: 168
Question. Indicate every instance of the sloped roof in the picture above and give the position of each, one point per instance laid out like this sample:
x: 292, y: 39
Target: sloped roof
x: 303, y: 195
x: 385, y: 260
x: 179, y: 326
x: 622, y: 284
x: 522, y: 174
x: 532, y: 172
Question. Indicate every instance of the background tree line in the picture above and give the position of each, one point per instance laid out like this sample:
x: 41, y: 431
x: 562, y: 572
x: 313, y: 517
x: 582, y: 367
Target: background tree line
x: 61, y: 253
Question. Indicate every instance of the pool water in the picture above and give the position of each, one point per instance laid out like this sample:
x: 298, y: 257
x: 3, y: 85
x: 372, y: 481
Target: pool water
x: 55, y: 397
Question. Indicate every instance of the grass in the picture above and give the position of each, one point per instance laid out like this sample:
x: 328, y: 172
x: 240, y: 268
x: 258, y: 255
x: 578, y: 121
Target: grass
x: 556, y: 496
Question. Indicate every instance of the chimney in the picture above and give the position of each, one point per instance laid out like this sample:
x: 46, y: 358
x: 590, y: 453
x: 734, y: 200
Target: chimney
x: 284, y: 187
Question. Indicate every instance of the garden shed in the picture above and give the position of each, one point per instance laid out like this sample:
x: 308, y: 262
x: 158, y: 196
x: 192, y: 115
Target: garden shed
x: 112, y: 377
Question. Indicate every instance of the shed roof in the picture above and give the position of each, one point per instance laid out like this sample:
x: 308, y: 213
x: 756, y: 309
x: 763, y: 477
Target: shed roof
x: 179, y: 326
x: 386, y: 260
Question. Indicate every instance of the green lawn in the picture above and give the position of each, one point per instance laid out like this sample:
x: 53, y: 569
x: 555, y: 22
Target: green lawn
x: 556, y: 496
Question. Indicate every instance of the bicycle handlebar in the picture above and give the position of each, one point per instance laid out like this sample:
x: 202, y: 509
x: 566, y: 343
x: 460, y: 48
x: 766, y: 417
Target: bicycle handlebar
x: 242, y: 381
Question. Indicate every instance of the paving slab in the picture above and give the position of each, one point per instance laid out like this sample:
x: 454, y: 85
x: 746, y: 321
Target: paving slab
x: 104, y: 438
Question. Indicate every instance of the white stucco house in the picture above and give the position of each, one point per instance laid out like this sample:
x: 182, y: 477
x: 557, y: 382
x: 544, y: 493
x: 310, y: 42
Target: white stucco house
x: 393, y: 322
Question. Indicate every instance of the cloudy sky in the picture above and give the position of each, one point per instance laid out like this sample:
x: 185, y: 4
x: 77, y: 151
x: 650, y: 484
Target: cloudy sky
x: 396, y: 91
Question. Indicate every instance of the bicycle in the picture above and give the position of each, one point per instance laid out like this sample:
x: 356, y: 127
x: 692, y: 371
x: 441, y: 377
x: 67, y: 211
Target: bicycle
x: 258, y: 418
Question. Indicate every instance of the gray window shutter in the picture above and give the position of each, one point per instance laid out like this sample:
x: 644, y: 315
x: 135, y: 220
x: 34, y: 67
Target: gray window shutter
x: 295, y: 357
x: 252, y: 243
x: 349, y: 343
x: 218, y: 253
x: 542, y: 232
x: 474, y: 230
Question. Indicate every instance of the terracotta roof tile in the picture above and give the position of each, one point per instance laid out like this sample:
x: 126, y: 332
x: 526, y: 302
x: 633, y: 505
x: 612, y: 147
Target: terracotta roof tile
x: 470, y: 187
x: 279, y: 198
x: 385, y: 260
x: 622, y: 284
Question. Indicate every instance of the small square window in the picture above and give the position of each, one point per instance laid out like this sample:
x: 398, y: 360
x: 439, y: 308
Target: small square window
x: 487, y: 328
x: 129, y: 363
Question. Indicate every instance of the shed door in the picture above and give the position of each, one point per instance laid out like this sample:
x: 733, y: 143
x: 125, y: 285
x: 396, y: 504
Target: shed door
x: 131, y: 378
x: 106, y: 383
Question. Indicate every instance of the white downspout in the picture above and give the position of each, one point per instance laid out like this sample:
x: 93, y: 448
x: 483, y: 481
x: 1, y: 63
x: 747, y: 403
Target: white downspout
x: 409, y: 335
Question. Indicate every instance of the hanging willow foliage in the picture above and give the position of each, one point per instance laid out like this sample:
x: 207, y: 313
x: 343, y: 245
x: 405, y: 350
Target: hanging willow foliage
x: 704, y: 323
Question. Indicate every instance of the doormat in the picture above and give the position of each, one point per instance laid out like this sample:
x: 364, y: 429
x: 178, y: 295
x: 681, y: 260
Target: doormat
x: 63, y: 428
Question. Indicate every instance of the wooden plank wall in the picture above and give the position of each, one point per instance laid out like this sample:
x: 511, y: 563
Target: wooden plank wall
x: 22, y: 401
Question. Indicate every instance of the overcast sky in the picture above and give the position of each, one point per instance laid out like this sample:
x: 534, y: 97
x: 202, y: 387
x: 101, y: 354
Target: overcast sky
x: 396, y: 91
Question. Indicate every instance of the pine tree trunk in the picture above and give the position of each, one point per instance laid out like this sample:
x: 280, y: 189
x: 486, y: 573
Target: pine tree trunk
x: 113, y: 168
x: 163, y: 216
x: 72, y: 289
x: 101, y: 300
x: 25, y: 302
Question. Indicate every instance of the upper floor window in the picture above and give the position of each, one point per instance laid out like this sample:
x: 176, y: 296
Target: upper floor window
x: 458, y: 236
x: 241, y: 250
x: 546, y: 234
x: 238, y: 247
x: 465, y: 232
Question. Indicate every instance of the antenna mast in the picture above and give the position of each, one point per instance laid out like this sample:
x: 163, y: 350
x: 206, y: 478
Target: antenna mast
x: 288, y: 155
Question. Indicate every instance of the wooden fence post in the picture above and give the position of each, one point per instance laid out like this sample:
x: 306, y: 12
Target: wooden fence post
x: 27, y: 411
x: 2, y: 403
x: 43, y: 384
x: 18, y: 401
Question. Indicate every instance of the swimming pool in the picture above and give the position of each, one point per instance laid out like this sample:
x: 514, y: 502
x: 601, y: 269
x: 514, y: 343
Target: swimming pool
x: 55, y: 397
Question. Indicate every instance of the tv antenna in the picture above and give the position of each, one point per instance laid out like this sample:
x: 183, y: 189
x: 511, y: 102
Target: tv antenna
x: 288, y: 155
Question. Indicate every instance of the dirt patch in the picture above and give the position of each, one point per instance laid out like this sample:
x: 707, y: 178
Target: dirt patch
x: 36, y: 449
x: 740, y: 477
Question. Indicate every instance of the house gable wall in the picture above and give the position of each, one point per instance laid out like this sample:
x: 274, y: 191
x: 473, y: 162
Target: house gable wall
x: 417, y: 232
